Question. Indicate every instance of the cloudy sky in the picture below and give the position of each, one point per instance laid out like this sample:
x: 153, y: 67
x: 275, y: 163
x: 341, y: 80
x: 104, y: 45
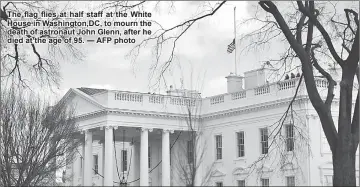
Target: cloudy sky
x: 201, y: 62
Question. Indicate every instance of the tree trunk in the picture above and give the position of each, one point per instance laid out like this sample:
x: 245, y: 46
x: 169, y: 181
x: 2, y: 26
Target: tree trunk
x: 344, y: 167
x: 344, y: 152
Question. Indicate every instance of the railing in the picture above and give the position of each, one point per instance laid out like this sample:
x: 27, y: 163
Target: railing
x: 321, y: 83
x: 272, y: 88
x: 133, y: 97
x: 156, y: 99
x: 182, y: 101
x: 238, y: 95
x: 287, y: 84
x: 262, y: 90
x: 217, y: 100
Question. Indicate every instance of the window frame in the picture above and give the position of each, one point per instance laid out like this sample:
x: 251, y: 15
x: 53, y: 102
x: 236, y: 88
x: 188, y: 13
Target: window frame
x: 262, y: 182
x: 96, y: 164
x: 124, y: 162
x: 293, y: 182
x: 290, y: 137
x: 264, y: 142
x: 218, y: 149
x: 240, y: 144
x: 239, y: 181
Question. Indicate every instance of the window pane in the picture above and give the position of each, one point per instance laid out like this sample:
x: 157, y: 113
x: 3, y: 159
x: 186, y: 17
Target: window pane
x: 96, y: 167
x: 219, y: 184
x: 264, y: 140
x: 218, y: 139
x: 124, y: 160
x: 290, y: 181
x: 264, y: 182
x: 241, y: 182
x: 289, y: 129
x: 240, y: 144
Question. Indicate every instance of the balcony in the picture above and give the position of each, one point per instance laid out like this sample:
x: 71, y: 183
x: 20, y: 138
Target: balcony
x: 178, y: 105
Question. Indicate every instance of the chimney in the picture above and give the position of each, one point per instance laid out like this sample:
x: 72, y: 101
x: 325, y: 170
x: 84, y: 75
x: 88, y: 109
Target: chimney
x: 234, y: 83
x: 258, y: 77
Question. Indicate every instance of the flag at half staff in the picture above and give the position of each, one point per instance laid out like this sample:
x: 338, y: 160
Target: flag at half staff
x: 231, y: 47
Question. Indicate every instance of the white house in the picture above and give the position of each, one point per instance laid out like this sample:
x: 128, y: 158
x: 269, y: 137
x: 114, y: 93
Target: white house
x: 127, y: 134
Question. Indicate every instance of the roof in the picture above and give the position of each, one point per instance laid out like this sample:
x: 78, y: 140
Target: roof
x: 91, y: 91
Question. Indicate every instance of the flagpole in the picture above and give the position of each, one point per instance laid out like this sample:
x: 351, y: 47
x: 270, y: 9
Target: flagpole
x: 235, y: 37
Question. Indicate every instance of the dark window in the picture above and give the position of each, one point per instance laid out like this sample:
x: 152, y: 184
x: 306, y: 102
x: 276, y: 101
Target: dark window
x: 241, y: 183
x: 290, y: 181
x: 264, y: 140
x: 124, y: 160
x: 96, y: 164
x: 218, y: 147
x: 289, y: 137
x: 265, y: 182
x: 240, y: 144
x: 190, y: 151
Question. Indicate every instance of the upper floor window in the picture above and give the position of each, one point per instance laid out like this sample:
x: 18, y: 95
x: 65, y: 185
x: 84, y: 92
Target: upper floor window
x: 124, y: 160
x: 241, y: 183
x: 219, y: 184
x: 264, y: 140
x: 265, y: 182
x: 290, y: 181
x: 240, y: 144
x: 289, y: 132
x: 218, y: 139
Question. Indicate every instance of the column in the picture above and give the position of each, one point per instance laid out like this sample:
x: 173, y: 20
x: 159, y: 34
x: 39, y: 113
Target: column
x: 109, y: 152
x: 135, y: 163
x: 199, y: 150
x: 88, y: 164
x: 144, y: 162
x: 165, y: 157
x: 102, y: 142
x: 82, y: 161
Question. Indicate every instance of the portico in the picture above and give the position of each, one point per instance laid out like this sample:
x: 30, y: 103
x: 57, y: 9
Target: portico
x: 138, y: 137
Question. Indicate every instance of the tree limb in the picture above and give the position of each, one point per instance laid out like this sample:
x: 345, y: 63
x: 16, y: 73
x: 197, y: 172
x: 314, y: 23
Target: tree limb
x: 323, y: 32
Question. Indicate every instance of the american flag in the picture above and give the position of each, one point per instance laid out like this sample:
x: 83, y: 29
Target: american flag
x: 231, y: 47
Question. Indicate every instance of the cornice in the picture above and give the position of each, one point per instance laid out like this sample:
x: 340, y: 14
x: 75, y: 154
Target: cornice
x: 209, y: 116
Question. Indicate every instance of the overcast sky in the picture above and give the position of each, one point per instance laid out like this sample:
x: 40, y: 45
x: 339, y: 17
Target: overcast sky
x: 201, y: 52
x: 202, y: 61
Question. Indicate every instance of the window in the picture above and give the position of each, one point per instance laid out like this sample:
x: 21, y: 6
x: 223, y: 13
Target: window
x: 264, y: 182
x: 218, y: 147
x: 241, y: 183
x: 190, y: 151
x: 328, y: 180
x: 96, y: 164
x: 240, y: 144
x: 289, y: 137
x: 290, y: 181
x: 149, y: 156
x: 264, y: 140
x: 219, y: 184
x: 124, y: 160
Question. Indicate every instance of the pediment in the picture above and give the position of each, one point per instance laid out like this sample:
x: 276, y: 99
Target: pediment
x: 217, y: 173
x: 82, y: 103
x: 240, y: 171
x: 288, y: 166
x: 265, y: 169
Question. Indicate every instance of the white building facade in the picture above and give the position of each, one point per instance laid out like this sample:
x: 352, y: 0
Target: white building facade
x: 143, y: 139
